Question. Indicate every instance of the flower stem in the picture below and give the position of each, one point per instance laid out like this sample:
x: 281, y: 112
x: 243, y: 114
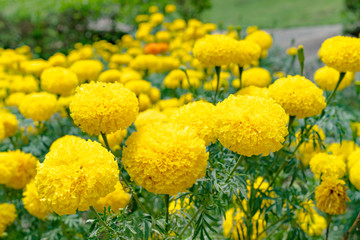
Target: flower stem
x: 167, y: 198
x: 103, y: 135
x: 341, y: 77
x: 291, y: 121
x: 241, y: 69
x: 217, y: 70
x: 352, y: 227
x: 100, y: 220
x: 202, y: 208
x: 328, y: 227
x: 241, y: 157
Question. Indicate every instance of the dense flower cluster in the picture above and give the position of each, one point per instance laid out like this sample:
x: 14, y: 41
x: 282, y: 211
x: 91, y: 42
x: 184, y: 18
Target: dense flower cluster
x: 327, y: 165
x: 7, y: 216
x: 32, y: 202
x: 165, y: 158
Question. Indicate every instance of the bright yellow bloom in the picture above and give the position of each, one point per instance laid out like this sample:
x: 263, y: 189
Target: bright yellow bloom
x: 165, y: 158
x: 292, y: 51
x: 251, y: 90
x: 10, y: 123
x: 32, y: 202
x: 153, y: 9
x: 7, y: 216
x: 331, y: 196
x: 144, y: 101
x: 176, y: 205
x: 170, y: 8
x: 259, y: 77
x: 87, y: 70
x: 326, y: 78
x: 353, y: 158
x: 310, y: 221
x: 354, y: 174
x: 74, y: 175
x: 112, y: 75
x: 35, y: 66
x: 26, y: 84
x: 156, y: 18
x: 246, y: 52
x: 341, y: 53
x: 323, y: 164
x: 58, y: 59
x: 154, y: 94
x: 262, y: 38
x: 298, y: 96
x: 251, y: 125
x: 116, y: 199
x: 149, y: 117
x: 199, y: 116
x: 121, y: 59
x: 138, y: 86
x: 38, y: 106
x: 59, y: 80
x: 215, y: 50
x: 114, y: 139
x: 8, y: 167
x: 343, y: 149
x: 15, y: 99
x: 103, y: 107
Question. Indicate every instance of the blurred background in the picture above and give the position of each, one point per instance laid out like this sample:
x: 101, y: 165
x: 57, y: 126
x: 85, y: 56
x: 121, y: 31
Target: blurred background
x: 51, y: 26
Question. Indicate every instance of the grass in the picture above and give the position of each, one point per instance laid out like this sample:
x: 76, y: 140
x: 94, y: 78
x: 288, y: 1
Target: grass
x: 275, y: 13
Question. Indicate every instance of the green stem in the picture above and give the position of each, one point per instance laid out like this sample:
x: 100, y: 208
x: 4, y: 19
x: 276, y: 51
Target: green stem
x: 277, y: 174
x: 167, y: 198
x: 241, y: 157
x: 270, y: 226
x: 241, y: 69
x: 352, y: 227
x: 202, y: 208
x: 291, y: 121
x: 103, y: 135
x: 328, y: 227
x: 341, y: 77
x: 192, y: 90
x: 217, y: 70
x: 100, y: 220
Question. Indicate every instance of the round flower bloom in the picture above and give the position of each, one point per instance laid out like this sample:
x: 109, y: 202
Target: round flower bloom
x: 327, y: 165
x: 2, y: 132
x: 15, y: 99
x: 310, y: 221
x: 260, y: 37
x: 165, y: 158
x: 354, y: 175
x: 35, y: 66
x: 121, y: 59
x: 234, y: 225
x: 215, y: 50
x: 331, y: 196
x: 150, y: 116
x: 58, y: 59
x: 246, y: 52
x: 341, y: 53
x: 112, y: 75
x: 8, y: 167
x: 87, y: 70
x: 103, y: 107
x: 74, y: 175
x: 298, y: 96
x: 7, y: 216
x: 63, y: 140
x: 259, y: 77
x: 144, y: 101
x: 251, y: 125
x: 326, y: 78
x: 25, y: 169
x: 38, y: 106
x: 9, y: 122
x: 59, y: 80
x: 26, y: 84
x: 353, y: 158
x: 114, y: 139
x: 32, y: 202
x: 343, y: 149
x: 199, y: 116
x: 292, y: 51
x: 154, y: 94
x: 170, y: 8
x: 253, y: 91
x: 116, y: 199
x: 138, y: 86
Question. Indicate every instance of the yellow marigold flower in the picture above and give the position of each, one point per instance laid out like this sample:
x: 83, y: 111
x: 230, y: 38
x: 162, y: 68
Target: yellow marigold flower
x: 310, y: 221
x: 129, y: 74
x: 141, y: 18
x: 354, y: 174
x: 215, y: 50
x: 156, y: 18
x: 170, y: 8
x: 138, y: 86
x: 153, y: 9
x: 326, y: 78
x: 262, y: 38
x: 149, y: 116
x: 343, y: 149
x: 176, y: 205
x: 32, y: 202
x: 246, y: 52
x: 199, y: 116
x: 251, y: 90
x: 251, y: 125
x: 259, y: 77
x: 341, y: 53
x: 87, y: 70
x: 353, y: 158
x: 144, y: 101
x: 112, y: 75
x: 103, y: 107
x: 116, y: 199
x: 35, y: 66
x: 58, y: 59
x: 7, y: 216
x: 10, y: 123
x: 2, y: 132
x: 211, y: 85
x: 234, y: 225
x: 292, y: 51
x: 74, y: 175
x: 8, y: 167
x: 165, y: 158
x: 121, y: 59
x: 298, y: 96
x: 331, y: 196
x: 115, y: 138
x: 251, y: 29
x: 59, y: 80
x: 154, y: 94
x: 38, y: 106
x: 169, y: 103
x: 163, y: 36
x: 26, y: 84
x: 15, y: 99
x: 323, y: 164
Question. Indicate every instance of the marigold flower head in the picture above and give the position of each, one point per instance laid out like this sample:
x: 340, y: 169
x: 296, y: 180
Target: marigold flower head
x: 59, y: 80
x: 8, y: 167
x: 32, y: 202
x: 341, y: 53
x: 298, y: 96
x: 343, y: 149
x: 331, y: 196
x: 10, y: 123
x: 199, y: 116
x: 149, y: 116
x: 354, y: 175
x: 252, y: 91
x: 74, y: 175
x: 103, y: 107
x: 35, y: 66
x: 170, y: 8
x: 111, y: 75
x: 326, y: 78
x: 116, y: 199
x: 58, y: 59
x: 7, y: 216
x: 353, y: 158
x: 87, y: 70
x: 165, y: 158
x: 138, y: 86
x: 310, y: 221
x: 26, y: 84
x: 246, y: 52
x: 15, y: 99
x: 251, y: 125
x: 260, y: 37
x: 215, y: 50
x: 38, y: 106
x: 327, y: 165
x: 292, y: 51
x: 259, y: 77
x: 121, y: 59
